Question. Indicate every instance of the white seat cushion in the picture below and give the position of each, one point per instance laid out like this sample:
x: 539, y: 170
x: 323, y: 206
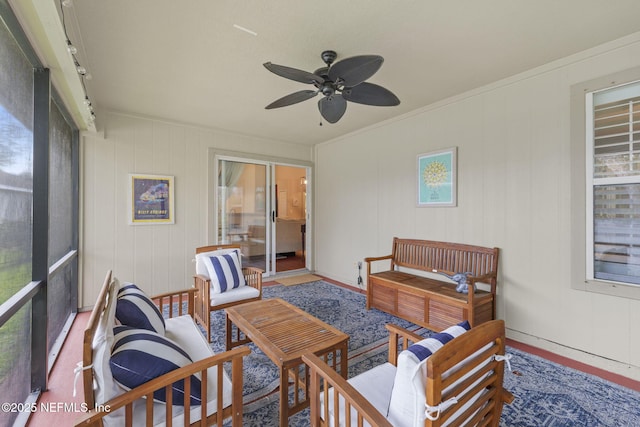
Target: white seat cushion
x: 375, y: 385
x: 184, y: 332
x: 233, y: 295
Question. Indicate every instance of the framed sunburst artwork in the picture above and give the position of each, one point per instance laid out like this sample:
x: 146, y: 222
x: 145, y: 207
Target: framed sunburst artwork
x: 437, y: 178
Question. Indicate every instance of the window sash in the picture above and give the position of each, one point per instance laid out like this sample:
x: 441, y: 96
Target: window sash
x: 613, y: 184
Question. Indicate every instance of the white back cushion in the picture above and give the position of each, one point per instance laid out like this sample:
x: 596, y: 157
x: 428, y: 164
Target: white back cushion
x: 407, y: 405
x: 202, y: 258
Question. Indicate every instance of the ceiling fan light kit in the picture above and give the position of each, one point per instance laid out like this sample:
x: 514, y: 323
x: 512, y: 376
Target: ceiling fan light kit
x: 339, y: 83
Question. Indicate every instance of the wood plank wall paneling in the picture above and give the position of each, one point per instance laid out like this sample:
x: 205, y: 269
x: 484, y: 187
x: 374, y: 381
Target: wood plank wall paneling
x: 514, y: 192
x: 156, y: 257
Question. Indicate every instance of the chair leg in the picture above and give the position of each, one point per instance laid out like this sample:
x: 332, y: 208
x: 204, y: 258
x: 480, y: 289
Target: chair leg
x: 208, y: 326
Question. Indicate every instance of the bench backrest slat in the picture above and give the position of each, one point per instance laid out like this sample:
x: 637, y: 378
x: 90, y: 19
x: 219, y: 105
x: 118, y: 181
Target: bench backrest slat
x: 451, y: 258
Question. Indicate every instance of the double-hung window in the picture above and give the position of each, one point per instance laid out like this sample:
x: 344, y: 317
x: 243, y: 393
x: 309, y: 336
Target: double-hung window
x: 613, y: 184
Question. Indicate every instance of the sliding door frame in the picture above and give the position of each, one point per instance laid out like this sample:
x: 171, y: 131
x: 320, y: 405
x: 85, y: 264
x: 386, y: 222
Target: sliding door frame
x: 215, y: 155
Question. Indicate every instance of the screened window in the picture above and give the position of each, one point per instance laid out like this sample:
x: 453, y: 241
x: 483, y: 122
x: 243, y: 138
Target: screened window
x: 614, y: 190
x: 16, y: 198
x: 39, y: 170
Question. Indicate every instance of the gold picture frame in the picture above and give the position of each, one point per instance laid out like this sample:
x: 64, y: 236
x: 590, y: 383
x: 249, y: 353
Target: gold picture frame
x: 151, y: 199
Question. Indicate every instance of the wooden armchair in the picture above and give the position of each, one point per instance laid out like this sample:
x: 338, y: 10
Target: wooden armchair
x: 207, y: 301
x: 462, y: 384
x: 107, y: 404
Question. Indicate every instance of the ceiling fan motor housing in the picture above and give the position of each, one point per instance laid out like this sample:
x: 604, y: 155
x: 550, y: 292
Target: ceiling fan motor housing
x: 328, y: 56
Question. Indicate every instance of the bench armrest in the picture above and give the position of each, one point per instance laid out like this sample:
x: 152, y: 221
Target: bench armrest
x: 322, y: 378
x: 370, y: 260
x: 377, y: 258
x: 126, y: 399
x: 399, y: 335
x: 170, y: 299
x: 485, y: 278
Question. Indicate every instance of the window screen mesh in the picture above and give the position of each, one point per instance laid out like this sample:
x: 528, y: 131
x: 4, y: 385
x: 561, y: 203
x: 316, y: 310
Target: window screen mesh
x: 16, y: 196
x: 60, y: 223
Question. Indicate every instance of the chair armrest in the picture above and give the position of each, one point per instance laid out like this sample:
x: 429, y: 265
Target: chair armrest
x: 253, y: 276
x: 177, y: 297
x: 202, y: 286
x: 507, y: 396
x: 322, y: 378
x: 126, y: 399
x: 397, y: 333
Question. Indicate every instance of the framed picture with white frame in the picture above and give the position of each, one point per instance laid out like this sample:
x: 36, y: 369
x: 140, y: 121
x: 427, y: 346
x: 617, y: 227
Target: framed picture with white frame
x: 437, y: 178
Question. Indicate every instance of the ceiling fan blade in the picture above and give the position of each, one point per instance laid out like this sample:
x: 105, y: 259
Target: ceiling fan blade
x: 353, y: 71
x: 292, y: 98
x: 370, y: 94
x: 332, y: 107
x: 293, y: 73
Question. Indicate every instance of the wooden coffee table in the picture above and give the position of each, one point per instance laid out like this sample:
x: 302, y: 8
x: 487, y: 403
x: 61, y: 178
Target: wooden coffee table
x: 284, y: 332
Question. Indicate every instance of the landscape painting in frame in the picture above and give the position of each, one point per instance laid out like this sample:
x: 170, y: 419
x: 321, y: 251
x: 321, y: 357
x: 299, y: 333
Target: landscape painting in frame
x: 152, y: 199
x: 437, y: 178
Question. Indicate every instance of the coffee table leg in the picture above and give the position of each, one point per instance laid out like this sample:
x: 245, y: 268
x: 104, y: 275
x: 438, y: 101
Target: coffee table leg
x: 284, y: 397
x: 229, y: 330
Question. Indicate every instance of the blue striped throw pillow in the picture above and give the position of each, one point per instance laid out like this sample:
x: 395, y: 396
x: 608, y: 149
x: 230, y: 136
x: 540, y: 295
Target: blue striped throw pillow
x: 425, y: 348
x: 135, y: 309
x: 225, y: 272
x: 139, y: 355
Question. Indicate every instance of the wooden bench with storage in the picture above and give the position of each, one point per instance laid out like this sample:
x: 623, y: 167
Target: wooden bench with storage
x: 433, y: 301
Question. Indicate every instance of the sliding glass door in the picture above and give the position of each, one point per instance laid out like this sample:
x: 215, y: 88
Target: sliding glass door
x: 262, y: 207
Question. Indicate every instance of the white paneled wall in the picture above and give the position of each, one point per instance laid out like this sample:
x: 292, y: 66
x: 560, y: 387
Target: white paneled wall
x: 156, y: 257
x: 514, y: 192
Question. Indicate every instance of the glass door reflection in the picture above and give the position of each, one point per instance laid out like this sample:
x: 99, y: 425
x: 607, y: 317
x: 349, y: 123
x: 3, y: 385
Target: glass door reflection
x: 243, y: 210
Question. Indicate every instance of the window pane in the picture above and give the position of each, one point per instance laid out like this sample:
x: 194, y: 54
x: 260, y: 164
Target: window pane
x: 617, y: 233
x: 615, y: 154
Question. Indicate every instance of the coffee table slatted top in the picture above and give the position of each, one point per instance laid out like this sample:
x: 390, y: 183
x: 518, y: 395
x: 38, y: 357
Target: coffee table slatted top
x: 282, y: 329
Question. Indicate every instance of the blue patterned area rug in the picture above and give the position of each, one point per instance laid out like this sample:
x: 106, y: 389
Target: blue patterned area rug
x: 547, y: 394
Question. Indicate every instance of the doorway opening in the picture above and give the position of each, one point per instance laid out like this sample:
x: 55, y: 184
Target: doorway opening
x: 290, y: 218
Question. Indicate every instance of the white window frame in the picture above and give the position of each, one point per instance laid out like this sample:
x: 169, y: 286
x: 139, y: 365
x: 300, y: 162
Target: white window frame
x: 592, y: 182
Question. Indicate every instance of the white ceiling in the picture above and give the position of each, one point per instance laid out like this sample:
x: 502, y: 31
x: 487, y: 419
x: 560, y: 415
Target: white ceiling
x: 185, y: 61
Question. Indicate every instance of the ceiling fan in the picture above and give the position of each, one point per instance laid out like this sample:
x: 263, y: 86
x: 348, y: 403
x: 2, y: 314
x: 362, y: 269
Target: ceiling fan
x: 338, y: 83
